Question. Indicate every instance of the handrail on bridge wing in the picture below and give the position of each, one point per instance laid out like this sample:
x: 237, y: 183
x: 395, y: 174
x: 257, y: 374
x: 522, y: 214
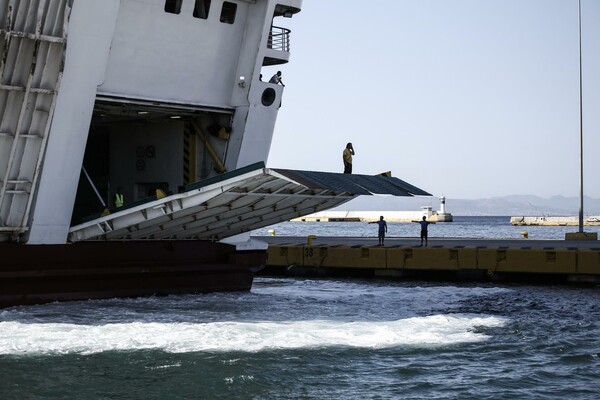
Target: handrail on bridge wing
x: 279, y: 39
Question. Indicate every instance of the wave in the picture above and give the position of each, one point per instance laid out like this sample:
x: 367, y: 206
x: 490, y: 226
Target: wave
x: 17, y: 338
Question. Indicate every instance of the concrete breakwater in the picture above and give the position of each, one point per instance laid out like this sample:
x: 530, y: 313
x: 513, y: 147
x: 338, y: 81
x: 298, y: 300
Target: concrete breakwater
x: 554, y: 221
x: 370, y: 216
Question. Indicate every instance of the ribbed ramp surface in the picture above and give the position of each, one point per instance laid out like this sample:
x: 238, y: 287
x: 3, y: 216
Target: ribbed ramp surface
x: 33, y: 37
x: 236, y: 202
x: 356, y: 184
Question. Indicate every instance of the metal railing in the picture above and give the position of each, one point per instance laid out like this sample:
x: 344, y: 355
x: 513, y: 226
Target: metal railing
x: 279, y: 39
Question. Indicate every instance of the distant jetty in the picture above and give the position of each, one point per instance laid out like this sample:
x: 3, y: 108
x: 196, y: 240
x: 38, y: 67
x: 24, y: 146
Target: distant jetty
x: 390, y: 216
x: 554, y: 221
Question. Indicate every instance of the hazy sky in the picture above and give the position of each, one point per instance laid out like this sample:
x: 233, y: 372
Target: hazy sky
x: 466, y: 98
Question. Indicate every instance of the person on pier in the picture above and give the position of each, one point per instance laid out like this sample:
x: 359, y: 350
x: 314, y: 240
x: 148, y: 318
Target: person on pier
x: 424, y: 224
x: 382, y: 229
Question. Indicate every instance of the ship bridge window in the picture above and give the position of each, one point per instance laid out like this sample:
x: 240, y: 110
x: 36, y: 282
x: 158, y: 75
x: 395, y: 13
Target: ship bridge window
x: 228, y: 12
x: 173, y: 6
x: 201, y: 9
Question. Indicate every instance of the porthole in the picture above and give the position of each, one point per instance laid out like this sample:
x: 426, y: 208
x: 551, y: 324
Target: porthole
x: 268, y: 97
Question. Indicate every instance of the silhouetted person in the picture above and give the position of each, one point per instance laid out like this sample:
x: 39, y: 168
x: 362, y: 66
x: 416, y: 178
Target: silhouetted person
x: 277, y: 79
x: 424, y: 223
x: 347, y: 157
x: 382, y: 229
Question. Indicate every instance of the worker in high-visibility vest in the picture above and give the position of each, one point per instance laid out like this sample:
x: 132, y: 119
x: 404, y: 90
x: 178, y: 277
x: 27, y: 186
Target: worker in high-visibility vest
x: 119, y: 198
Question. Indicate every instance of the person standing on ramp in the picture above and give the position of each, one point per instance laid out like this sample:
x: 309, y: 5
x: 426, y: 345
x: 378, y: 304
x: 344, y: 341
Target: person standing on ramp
x: 347, y: 157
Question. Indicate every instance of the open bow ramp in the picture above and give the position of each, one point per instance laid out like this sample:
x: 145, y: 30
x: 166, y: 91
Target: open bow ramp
x: 237, y: 202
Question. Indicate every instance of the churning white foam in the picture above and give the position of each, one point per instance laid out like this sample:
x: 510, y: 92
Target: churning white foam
x: 63, y: 338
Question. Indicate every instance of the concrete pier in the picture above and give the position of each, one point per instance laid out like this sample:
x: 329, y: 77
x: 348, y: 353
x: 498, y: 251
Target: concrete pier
x: 536, y: 261
x: 554, y: 221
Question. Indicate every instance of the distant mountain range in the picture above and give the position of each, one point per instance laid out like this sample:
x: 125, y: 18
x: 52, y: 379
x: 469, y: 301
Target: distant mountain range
x: 515, y: 205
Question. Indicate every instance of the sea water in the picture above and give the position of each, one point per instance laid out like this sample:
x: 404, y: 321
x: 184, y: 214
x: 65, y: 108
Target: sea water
x: 496, y: 227
x: 291, y: 338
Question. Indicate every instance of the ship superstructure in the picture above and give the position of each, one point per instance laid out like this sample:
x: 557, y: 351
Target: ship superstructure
x: 142, y: 94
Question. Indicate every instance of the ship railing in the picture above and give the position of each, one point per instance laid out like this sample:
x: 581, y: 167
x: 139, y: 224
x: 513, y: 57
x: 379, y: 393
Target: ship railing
x: 279, y: 39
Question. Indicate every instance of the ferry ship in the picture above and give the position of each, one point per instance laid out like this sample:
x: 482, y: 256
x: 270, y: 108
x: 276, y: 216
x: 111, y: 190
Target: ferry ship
x: 162, y: 103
